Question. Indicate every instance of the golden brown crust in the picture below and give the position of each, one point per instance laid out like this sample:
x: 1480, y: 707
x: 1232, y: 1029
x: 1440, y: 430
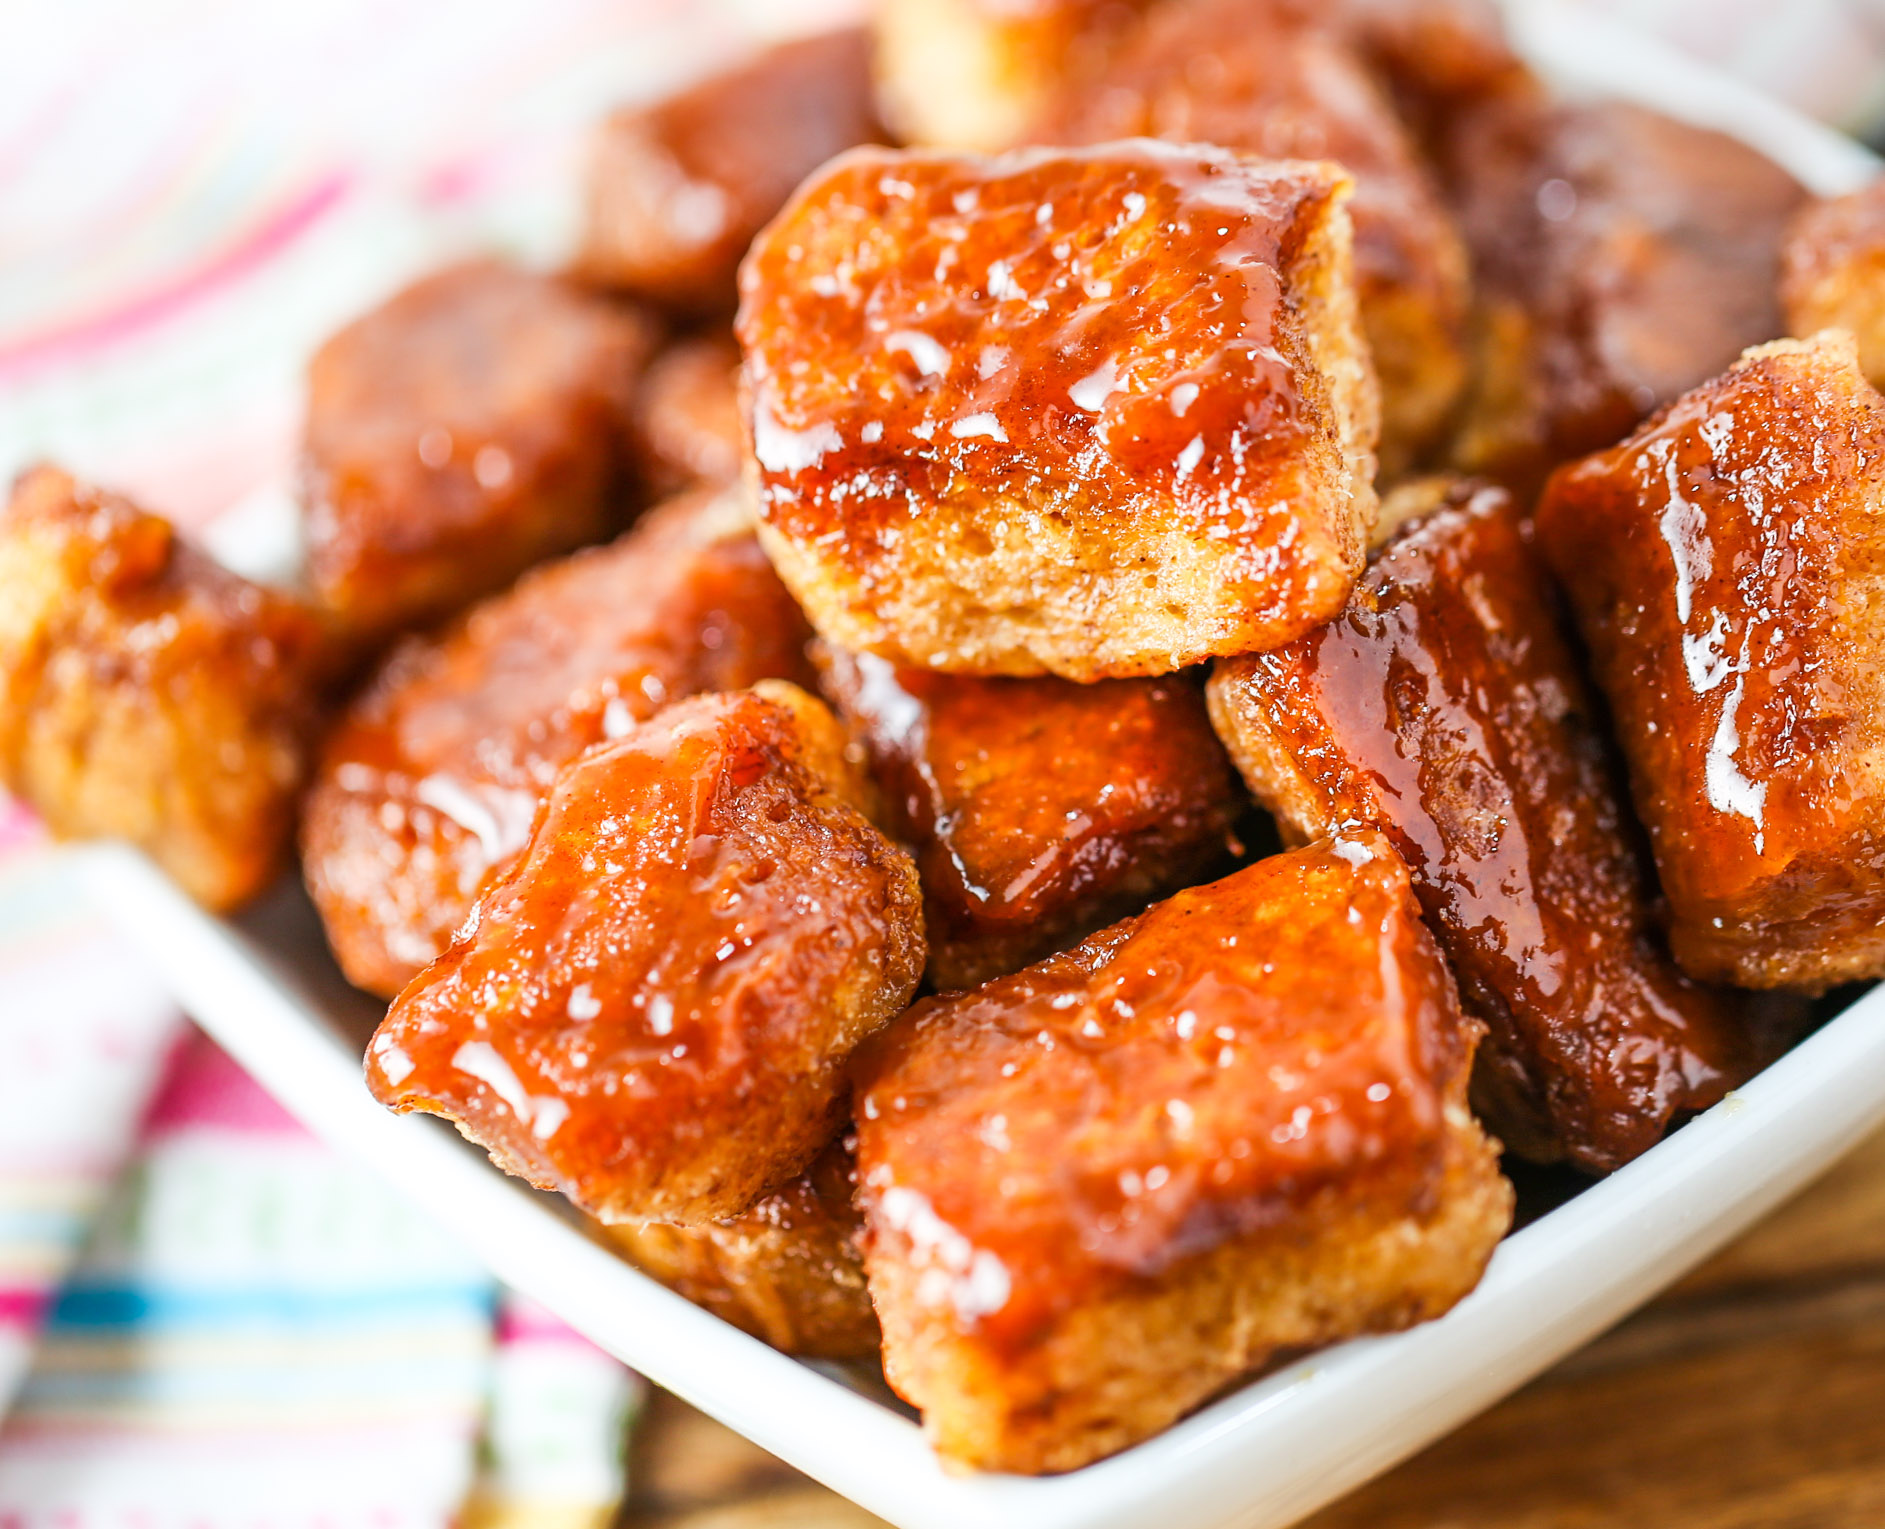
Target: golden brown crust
x: 1727, y: 567
x: 1446, y: 708
x: 146, y: 693
x: 431, y: 779
x: 651, y: 1009
x: 688, y: 424
x: 1621, y: 258
x: 1038, y: 809
x: 1833, y: 272
x: 1100, y: 1189
x: 473, y: 424
x: 789, y: 1271
x: 678, y: 189
x: 1282, y: 85
x: 1004, y: 427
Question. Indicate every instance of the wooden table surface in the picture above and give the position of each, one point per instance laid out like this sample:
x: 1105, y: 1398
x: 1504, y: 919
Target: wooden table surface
x: 1751, y: 1396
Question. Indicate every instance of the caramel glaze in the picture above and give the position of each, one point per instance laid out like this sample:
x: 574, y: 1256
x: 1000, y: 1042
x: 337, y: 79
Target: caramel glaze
x: 677, y: 189
x: 1107, y: 336
x: 1199, y: 1073
x: 651, y: 1009
x: 471, y: 425
x: 1621, y: 256
x: 1038, y: 809
x: 1727, y: 569
x: 1279, y: 82
x: 1445, y: 707
x: 431, y: 779
x: 147, y: 693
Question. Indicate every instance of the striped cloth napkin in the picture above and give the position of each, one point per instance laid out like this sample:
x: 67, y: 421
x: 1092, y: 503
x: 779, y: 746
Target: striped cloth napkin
x: 208, y: 1320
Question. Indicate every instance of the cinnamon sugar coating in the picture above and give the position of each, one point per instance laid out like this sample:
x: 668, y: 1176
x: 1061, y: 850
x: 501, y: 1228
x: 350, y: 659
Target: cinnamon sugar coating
x: 789, y: 1271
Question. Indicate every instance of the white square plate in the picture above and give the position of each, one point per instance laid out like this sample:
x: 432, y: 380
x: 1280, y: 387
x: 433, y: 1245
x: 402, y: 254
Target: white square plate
x: 1259, y: 1458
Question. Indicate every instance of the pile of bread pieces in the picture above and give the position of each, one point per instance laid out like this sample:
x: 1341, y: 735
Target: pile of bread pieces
x: 1219, y: 610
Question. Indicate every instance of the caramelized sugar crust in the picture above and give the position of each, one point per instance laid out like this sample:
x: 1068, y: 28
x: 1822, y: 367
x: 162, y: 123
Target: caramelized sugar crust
x: 789, y: 1271
x: 1445, y: 707
x: 687, y: 420
x: 1727, y: 568
x: 678, y: 189
x: 1099, y: 1189
x: 1833, y: 272
x: 146, y: 693
x: 1276, y: 84
x: 1037, y: 809
x: 432, y: 778
x: 1621, y: 257
x: 651, y: 1009
x: 472, y: 425
x: 1095, y: 412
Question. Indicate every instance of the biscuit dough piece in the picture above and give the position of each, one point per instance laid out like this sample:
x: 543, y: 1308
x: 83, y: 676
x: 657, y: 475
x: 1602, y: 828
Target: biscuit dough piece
x: 688, y: 419
x: 1727, y: 568
x: 678, y: 189
x: 1621, y: 258
x: 1092, y: 412
x: 1445, y: 707
x: 1833, y: 272
x: 1038, y: 809
x: 431, y: 779
x: 976, y: 74
x: 790, y: 1271
x: 147, y: 693
x: 1098, y: 1190
x: 651, y: 1010
x: 473, y: 424
x: 1282, y: 86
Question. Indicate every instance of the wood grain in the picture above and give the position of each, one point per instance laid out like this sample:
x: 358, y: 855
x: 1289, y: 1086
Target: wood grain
x: 1750, y: 1396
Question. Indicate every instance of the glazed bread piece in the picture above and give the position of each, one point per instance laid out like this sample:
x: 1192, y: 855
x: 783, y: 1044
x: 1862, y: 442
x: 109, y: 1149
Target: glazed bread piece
x: 1038, y: 809
x: 1091, y: 412
x: 652, y: 1008
x: 471, y: 425
x: 430, y: 780
x: 687, y: 420
x: 147, y: 693
x: 1437, y: 57
x: 1287, y: 86
x: 1446, y: 708
x: 677, y: 189
x: 1097, y: 1191
x: 790, y: 1271
x: 1727, y: 569
x: 1833, y: 272
x: 976, y: 74
x: 1621, y: 258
